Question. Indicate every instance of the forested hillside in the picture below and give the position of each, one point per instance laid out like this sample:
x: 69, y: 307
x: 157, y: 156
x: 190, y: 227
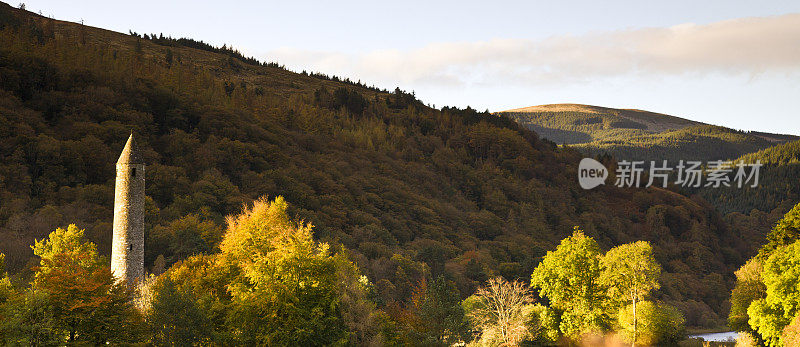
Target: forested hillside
x: 777, y: 188
x: 640, y: 135
x: 784, y: 154
x: 413, y: 192
x: 699, y: 142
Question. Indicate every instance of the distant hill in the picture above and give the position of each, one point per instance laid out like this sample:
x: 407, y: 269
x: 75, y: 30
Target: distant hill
x: 409, y: 191
x: 640, y: 135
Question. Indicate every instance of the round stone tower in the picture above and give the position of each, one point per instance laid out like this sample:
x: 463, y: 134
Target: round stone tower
x: 127, y: 249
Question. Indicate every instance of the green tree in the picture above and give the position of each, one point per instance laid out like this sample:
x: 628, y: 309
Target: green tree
x: 568, y: 277
x: 204, y: 279
x: 629, y: 273
x: 284, y: 287
x: 786, y: 232
x: 175, y: 319
x: 28, y: 320
x: 438, y: 309
x: 769, y: 316
x: 358, y: 309
x: 543, y: 325
x: 187, y: 236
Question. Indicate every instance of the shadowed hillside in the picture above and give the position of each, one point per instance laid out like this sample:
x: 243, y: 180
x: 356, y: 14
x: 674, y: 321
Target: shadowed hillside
x: 777, y: 188
x: 411, y: 191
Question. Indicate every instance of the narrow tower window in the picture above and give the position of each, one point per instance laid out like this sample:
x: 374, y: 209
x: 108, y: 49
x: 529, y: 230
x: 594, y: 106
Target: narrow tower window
x: 133, y: 172
x: 130, y: 248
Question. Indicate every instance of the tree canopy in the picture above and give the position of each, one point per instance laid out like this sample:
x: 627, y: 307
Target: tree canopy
x: 629, y: 273
x: 569, y: 278
x: 73, y: 298
x: 770, y: 315
x: 766, y: 297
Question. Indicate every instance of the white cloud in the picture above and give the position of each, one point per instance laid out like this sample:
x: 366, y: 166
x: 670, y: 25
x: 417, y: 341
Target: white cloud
x: 748, y: 46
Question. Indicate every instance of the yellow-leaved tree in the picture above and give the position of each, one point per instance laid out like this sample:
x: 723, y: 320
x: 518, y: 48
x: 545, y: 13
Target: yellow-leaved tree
x: 284, y: 284
x: 270, y: 284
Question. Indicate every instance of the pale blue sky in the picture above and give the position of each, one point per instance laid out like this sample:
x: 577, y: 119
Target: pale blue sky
x: 733, y: 63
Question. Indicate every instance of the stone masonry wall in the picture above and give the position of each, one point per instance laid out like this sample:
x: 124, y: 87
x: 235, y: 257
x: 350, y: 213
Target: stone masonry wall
x: 127, y: 250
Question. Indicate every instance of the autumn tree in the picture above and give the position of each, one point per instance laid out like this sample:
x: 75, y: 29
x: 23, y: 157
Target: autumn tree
x: 569, y: 278
x: 500, y: 310
x: 87, y: 301
x: 284, y: 289
x: 270, y: 284
x: 749, y: 287
x: 6, y: 288
x: 629, y: 273
x: 69, y: 243
x: 790, y: 336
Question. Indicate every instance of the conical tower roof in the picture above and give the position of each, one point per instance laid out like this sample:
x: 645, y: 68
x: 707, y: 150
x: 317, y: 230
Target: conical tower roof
x: 130, y: 154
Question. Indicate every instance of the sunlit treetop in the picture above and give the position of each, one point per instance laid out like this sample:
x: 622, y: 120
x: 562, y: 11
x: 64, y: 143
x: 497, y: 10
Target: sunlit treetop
x: 69, y: 241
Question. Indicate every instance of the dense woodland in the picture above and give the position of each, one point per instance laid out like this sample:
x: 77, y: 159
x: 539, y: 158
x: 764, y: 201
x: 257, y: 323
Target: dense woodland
x: 413, y: 196
x: 783, y: 154
x: 777, y: 191
x: 699, y: 142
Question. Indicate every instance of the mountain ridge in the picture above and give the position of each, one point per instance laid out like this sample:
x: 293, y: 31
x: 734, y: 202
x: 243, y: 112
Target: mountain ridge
x: 640, y: 135
x: 645, y: 117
